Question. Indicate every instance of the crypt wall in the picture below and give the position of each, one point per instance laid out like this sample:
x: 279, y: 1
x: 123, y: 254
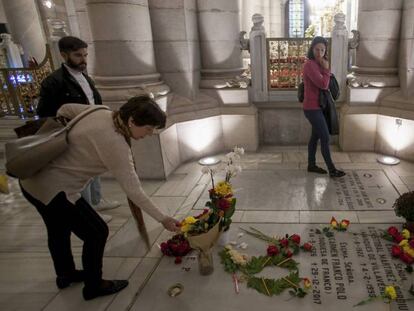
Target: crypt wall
x: 187, y: 53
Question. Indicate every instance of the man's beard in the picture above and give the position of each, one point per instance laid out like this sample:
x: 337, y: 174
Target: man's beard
x: 75, y: 66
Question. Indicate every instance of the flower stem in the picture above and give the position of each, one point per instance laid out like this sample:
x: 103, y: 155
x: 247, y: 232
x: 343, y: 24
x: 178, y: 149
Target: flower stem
x: 290, y: 282
x: 265, y: 263
x: 265, y: 286
x: 283, y: 261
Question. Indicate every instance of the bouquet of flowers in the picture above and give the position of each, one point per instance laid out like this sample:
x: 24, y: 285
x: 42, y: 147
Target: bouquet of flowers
x: 203, y: 231
x: 222, y: 201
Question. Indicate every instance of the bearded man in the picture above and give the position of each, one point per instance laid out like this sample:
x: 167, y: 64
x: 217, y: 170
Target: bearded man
x: 71, y: 84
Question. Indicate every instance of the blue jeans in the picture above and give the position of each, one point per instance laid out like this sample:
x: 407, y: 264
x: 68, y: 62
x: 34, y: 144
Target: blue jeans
x: 319, y: 132
x: 92, y: 192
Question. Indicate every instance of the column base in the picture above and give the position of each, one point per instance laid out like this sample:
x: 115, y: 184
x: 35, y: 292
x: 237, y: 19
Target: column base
x: 219, y: 78
x: 115, y: 91
x: 374, y: 77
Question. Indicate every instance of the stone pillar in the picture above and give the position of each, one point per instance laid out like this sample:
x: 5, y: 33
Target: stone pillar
x: 339, y: 52
x: 276, y: 20
x: 72, y: 18
x: 124, y: 51
x: 84, y: 32
x: 257, y: 42
x: 176, y: 44
x: 407, y: 50
x: 377, y: 55
x: 219, y: 28
x: 57, y: 31
x: 25, y: 27
x: 14, y: 59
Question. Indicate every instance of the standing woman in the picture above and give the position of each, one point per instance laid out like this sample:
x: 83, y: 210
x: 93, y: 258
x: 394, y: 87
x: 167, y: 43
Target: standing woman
x: 316, y: 76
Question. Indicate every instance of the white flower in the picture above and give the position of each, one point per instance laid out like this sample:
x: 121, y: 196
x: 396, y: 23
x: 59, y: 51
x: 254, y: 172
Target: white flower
x: 232, y: 156
x: 238, y: 151
x: 238, y: 169
x: 205, y: 170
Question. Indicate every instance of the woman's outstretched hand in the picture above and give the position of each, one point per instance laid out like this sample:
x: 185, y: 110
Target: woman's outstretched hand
x: 171, y: 224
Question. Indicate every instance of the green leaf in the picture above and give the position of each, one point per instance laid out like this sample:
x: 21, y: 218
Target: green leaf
x: 256, y: 264
x: 229, y: 265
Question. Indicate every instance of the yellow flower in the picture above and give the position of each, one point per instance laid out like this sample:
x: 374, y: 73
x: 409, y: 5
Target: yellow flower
x: 223, y: 188
x: 409, y: 251
x: 307, y: 283
x: 405, y: 233
x: 390, y: 292
x: 185, y: 228
x: 190, y: 220
x: 186, y: 224
x: 334, y: 223
x: 403, y: 243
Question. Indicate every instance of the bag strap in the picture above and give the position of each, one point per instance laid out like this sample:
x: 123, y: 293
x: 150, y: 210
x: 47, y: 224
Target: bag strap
x: 83, y: 114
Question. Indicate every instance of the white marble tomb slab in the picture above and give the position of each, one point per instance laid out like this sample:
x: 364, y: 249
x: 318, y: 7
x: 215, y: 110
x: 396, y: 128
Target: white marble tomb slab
x: 298, y: 190
x: 344, y: 270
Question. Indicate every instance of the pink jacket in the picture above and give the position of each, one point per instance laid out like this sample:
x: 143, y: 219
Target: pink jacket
x: 314, y: 78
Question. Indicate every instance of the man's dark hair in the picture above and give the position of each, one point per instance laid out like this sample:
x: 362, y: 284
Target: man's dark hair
x: 144, y: 111
x: 71, y: 44
x: 315, y: 41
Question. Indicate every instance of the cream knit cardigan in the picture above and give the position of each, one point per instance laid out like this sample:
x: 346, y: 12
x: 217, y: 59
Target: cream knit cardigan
x: 94, y: 148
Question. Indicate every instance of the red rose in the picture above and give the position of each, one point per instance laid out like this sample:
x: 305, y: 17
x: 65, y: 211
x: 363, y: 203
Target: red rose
x: 295, y: 238
x: 272, y: 250
x: 393, y: 231
x: 407, y: 258
x: 396, y: 251
x: 165, y: 249
x: 307, y: 247
x: 398, y: 238
x: 178, y: 260
x: 412, y: 243
x: 224, y: 204
x: 288, y: 254
x: 284, y: 242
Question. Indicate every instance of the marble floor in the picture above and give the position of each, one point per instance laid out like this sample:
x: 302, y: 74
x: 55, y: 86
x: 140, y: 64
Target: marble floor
x: 275, y: 195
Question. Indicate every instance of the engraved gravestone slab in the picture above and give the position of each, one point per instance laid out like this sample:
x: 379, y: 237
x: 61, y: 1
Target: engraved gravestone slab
x: 344, y: 269
x: 298, y: 190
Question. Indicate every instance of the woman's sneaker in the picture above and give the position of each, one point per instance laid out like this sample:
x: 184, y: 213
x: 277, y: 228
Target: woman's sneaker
x: 336, y: 173
x: 316, y: 169
x: 106, y: 288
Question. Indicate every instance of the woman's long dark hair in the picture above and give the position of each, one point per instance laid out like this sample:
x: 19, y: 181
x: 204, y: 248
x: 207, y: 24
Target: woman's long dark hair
x: 315, y: 41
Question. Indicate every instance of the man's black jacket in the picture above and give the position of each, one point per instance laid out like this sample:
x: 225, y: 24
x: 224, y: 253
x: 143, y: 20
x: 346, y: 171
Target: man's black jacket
x: 61, y: 88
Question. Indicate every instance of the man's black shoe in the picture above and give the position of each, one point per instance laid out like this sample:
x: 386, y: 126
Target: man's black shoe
x: 336, y: 173
x: 64, y: 281
x: 316, y: 169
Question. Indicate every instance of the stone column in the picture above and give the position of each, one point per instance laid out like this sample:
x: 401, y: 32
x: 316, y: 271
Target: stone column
x: 84, y: 32
x: 12, y: 51
x: 124, y: 51
x: 339, y: 52
x: 176, y: 44
x: 72, y: 18
x: 257, y: 42
x: 276, y: 20
x: 377, y: 55
x: 219, y: 28
x: 25, y: 27
x: 57, y: 31
x: 407, y: 50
